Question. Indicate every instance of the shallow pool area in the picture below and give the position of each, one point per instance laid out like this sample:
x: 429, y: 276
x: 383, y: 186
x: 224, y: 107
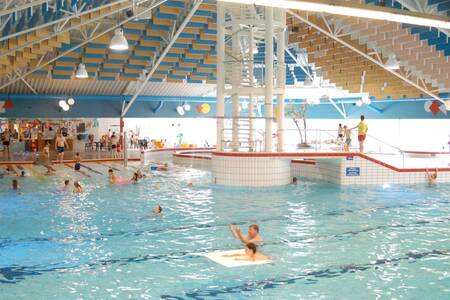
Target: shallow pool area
x: 327, y: 241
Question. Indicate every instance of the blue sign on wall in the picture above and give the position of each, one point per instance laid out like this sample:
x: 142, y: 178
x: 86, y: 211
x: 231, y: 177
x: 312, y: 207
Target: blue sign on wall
x: 352, y: 171
x: 349, y: 157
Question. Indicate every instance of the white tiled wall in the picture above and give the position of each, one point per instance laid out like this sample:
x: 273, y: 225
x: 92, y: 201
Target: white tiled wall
x: 192, y: 162
x: 334, y: 170
x: 250, y: 171
x: 373, y: 173
x: 156, y: 156
x: 327, y: 170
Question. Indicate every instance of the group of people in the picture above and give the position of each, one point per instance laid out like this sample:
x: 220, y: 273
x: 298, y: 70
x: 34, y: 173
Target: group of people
x: 345, y: 135
x: 252, y: 241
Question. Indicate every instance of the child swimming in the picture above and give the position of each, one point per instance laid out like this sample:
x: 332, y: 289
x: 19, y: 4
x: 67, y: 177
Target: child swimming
x: 77, y: 166
x: 22, y: 174
x: 140, y: 174
x: 157, y: 210
x: 135, y: 178
x: 77, y: 187
x: 66, y: 185
x: 15, y: 185
x: 432, y: 177
x: 112, y: 177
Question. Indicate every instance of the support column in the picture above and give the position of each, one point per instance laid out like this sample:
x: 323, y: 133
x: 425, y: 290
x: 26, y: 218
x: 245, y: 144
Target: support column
x: 268, y: 95
x: 220, y: 85
x: 235, y: 82
x: 121, y: 137
x: 281, y: 82
x: 251, y: 109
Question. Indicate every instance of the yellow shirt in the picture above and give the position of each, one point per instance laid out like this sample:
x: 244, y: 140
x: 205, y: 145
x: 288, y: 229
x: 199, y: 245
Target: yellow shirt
x: 362, y: 128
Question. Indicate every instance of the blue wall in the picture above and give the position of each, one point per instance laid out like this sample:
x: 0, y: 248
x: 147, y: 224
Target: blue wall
x: 46, y: 106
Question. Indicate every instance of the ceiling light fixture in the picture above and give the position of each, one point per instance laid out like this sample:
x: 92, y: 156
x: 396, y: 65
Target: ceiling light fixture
x: 118, y: 42
x: 180, y: 110
x: 71, y: 101
x: 392, y: 63
x: 186, y: 107
x: 62, y: 103
x: 353, y: 10
x: 81, y: 71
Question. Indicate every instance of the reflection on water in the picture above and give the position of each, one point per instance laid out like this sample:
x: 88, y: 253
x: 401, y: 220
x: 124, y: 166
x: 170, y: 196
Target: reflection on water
x: 326, y: 240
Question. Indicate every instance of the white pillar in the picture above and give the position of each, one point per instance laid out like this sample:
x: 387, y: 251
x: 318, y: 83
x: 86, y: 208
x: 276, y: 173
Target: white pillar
x: 281, y: 82
x: 235, y: 82
x: 220, y: 100
x: 268, y: 95
x: 251, y: 109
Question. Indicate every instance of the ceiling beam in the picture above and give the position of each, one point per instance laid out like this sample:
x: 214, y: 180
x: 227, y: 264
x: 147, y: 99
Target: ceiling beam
x: 63, y: 20
x: 363, y: 54
x: 109, y: 29
x: 351, y: 9
x: 68, y: 29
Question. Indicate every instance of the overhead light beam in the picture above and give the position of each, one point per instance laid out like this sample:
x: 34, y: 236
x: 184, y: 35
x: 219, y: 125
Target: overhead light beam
x: 338, y: 7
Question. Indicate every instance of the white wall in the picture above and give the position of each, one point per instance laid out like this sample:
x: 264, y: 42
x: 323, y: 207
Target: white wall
x: 431, y: 135
x: 195, y: 130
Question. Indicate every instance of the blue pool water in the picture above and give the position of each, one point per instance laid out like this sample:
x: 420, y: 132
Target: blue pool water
x: 328, y: 242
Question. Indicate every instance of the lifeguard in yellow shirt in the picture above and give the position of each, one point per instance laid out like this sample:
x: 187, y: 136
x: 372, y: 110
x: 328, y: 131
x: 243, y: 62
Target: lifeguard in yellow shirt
x: 362, y: 131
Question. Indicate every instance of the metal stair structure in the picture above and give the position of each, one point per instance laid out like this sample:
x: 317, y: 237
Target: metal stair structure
x: 250, y: 140
x: 414, y: 54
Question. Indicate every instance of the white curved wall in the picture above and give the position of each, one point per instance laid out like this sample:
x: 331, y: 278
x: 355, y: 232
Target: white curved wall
x: 250, y: 171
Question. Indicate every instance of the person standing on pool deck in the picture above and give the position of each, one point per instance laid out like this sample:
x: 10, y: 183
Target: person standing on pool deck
x: 252, y: 236
x: 362, y: 131
x: 60, y: 145
x: 6, y: 138
x: 114, y: 145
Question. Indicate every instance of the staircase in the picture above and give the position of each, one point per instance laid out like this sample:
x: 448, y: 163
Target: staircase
x: 244, y: 140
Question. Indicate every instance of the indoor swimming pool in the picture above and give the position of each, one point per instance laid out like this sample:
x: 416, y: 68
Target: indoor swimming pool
x: 327, y: 241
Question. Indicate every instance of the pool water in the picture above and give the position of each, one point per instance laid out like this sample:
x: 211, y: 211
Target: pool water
x: 328, y: 242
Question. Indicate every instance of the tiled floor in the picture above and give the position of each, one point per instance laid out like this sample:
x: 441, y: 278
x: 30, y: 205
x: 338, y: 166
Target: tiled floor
x: 404, y: 161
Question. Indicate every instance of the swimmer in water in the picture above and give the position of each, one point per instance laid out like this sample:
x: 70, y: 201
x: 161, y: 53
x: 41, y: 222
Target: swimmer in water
x: 22, y: 174
x: 140, y: 174
x: 49, y: 172
x: 66, y: 185
x: 8, y: 171
x: 163, y: 167
x: 190, y: 184
x: 15, y: 185
x: 135, y: 178
x: 251, y: 254
x: 77, y: 187
x: 252, y: 236
x: 157, y: 210
x: 77, y: 158
x: 432, y: 177
x: 294, y: 180
x: 112, y: 177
